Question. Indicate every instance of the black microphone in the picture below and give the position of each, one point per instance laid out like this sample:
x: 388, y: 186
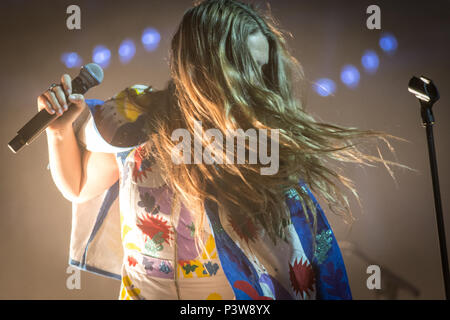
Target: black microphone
x: 90, y: 76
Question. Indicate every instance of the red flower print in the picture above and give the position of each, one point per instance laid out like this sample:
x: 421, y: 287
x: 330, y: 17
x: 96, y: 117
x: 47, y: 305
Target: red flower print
x: 132, y: 261
x: 302, y: 277
x: 183, y: 262
x: 141, y: 165
x: 153, y: 224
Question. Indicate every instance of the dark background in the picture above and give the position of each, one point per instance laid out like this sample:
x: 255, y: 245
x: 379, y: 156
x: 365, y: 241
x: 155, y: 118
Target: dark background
x: 396, y: 228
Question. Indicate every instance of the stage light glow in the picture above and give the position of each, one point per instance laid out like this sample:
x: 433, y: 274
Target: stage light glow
x: 71, y: 59
x: 388, y: 42
x: 150, y: 39
x: 127, y: 50
x: 324, y: 87
x: 350, y: 76
x: 370, y: 61
x: 101, y: 55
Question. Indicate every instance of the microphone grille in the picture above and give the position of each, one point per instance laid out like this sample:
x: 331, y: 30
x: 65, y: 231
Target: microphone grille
x: 95, y: 71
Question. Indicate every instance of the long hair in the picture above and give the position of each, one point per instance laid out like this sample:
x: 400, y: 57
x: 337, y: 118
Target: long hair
x: 216, y: 81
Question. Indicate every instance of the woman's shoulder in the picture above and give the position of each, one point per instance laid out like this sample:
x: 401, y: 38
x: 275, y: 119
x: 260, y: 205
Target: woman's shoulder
x: 136, y: 91
x: 119, y: 121
x: 125, y: 120
x: 143, y: 99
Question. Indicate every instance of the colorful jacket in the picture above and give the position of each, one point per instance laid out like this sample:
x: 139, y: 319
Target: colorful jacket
x: 96, y: 243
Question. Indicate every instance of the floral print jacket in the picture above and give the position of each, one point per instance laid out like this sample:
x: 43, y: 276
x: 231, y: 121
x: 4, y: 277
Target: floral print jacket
x: 302, y: 267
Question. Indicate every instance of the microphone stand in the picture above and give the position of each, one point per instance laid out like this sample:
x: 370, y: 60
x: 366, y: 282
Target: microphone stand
x: 427, y: 94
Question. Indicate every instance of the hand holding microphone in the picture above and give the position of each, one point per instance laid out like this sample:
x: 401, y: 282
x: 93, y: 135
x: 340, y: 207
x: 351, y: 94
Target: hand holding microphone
x: 59, y: 106
x: 56, y: 100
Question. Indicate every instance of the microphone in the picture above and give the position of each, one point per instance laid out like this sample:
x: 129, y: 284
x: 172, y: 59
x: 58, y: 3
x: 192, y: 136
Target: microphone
x: 90, y: 76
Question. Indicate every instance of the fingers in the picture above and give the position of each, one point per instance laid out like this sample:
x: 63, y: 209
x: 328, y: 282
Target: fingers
x: 51, y: 97
x: 59, y: 93
x: 77, y: 99
x: 44, y: 104
x: 66, y: 81
x: 54, y: 99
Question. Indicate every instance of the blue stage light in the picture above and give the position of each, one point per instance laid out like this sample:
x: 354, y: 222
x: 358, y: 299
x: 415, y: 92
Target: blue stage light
x: 127, y: 50
x: 324, y: 87
x: 71, y: 59
x: 101, y: 55
x: 370, y: 61
x: 388, y: 42
x: 350, y: 76
x: 150, y: 39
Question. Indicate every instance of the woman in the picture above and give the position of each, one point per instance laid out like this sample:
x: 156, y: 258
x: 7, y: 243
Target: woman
x: 208, y: 231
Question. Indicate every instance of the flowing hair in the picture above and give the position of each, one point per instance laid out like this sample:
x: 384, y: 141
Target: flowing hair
x: 215, y: 80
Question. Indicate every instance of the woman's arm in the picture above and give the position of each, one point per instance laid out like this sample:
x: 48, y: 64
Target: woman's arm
x: 79, y: 175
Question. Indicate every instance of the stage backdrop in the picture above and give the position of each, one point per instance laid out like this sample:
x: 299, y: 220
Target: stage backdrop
x: 396, y: 228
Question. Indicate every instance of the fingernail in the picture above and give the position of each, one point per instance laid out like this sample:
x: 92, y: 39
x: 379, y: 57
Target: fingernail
x: 65, y: 107
x: 72, y: 96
